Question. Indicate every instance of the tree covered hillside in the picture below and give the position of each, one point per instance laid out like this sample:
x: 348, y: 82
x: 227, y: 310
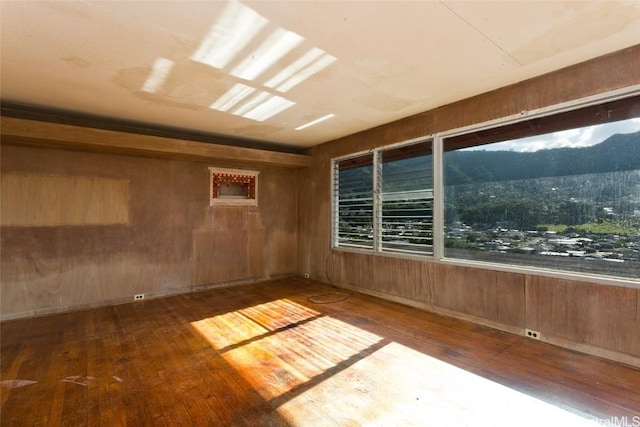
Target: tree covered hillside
x: 569, y: 186
x: 464, y: 167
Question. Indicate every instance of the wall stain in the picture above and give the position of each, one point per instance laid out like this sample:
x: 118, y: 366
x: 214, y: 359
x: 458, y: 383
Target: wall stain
x: 189, y: 85
x: 76, y: 62
x: 592, y: 25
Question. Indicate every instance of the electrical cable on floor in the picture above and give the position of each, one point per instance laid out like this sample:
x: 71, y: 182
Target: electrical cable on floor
x: 313, y: 298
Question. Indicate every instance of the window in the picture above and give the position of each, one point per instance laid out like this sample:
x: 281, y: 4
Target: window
x: 554, y: 191
x: 233, y: 187
x: 559, y: 192
x: 353, y: 213
x: 383, y: 201
x: 406, y: 199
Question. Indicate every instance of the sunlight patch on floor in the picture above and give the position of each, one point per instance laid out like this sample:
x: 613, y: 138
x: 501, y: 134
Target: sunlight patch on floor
x: 280, y: 346
x: 318, y: 370
x: 397, y: 385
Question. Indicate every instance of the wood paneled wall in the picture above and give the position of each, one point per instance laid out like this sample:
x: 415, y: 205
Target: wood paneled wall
x: 69, y: 200
x: 594, y: 318
x: 83, y: 229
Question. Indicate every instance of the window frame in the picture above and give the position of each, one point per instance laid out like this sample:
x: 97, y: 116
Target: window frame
x: 388, y: 247
x: 335, y: 216
x: 437, y: 140
x: 376, y: 247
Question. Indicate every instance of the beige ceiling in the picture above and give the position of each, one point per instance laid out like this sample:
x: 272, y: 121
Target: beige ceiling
x: 172, y: 63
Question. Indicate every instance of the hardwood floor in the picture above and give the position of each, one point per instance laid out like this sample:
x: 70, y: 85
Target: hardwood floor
x: 265, y: 355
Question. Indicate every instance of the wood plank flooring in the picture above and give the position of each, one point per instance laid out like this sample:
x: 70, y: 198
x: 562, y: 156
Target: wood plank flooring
x: 264, y: 355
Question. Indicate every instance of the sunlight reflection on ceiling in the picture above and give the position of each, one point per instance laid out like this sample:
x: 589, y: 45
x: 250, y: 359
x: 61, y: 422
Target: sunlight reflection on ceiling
x: 300, y: 360
x: 159, y: 73
x: 277, y: 45
x: 237, y: 26
x: 227, y: 48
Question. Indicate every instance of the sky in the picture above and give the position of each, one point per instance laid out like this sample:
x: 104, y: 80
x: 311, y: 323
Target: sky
x: 573, y: 138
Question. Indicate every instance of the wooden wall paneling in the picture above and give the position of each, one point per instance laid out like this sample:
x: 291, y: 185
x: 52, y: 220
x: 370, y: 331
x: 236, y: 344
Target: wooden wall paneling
x: 220, y: 253
x: 510, y: 298
x: 92, y: 261
x: 304, y: 224
x: 587, y: 314
x: 314, y: 217
x: 50, y: 200
x: 486, y: 294
x: 280, y: 251
x: 23, y: 131
x: 28, y: 283
x: 278, y: 201
x: 167, y: 204
x: 350, y: 269
x: 403, y: 277
x: 22, y: 192
x: 187, y: 201
x: 172, y: 241
x: 256, y: 252
x: 304, y: 221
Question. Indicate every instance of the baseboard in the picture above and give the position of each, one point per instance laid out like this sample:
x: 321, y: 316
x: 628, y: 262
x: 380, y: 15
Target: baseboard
x: 612, y: 355
x: 49, y: 311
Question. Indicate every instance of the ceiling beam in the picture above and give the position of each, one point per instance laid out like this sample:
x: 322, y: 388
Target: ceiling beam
x: 23, y: 131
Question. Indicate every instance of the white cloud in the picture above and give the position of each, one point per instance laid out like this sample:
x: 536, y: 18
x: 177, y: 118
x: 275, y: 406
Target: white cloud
x: 572, y: 138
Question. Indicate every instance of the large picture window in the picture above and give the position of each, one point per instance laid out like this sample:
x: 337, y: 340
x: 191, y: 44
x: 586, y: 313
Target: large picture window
x: 383, y: 201
x: 553, y: 191
x: 564, y: 200
x: 558, y: 192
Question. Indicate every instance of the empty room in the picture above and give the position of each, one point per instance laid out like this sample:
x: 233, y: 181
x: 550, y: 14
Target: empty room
x: 320, y: 213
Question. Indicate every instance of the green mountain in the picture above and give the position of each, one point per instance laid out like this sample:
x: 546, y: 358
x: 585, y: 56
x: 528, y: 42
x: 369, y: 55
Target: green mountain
x: 620, y: 152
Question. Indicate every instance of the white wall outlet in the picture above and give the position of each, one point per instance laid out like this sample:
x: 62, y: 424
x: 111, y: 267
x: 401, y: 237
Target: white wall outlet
x: 138, y: 297
x: 532, y: 334
x: 306, y: 275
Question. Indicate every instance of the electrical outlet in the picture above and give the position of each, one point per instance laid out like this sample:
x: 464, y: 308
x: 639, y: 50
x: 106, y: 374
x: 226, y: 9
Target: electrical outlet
x: 532, y: 334
x: 138, y: 297
x: 306, y: 275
